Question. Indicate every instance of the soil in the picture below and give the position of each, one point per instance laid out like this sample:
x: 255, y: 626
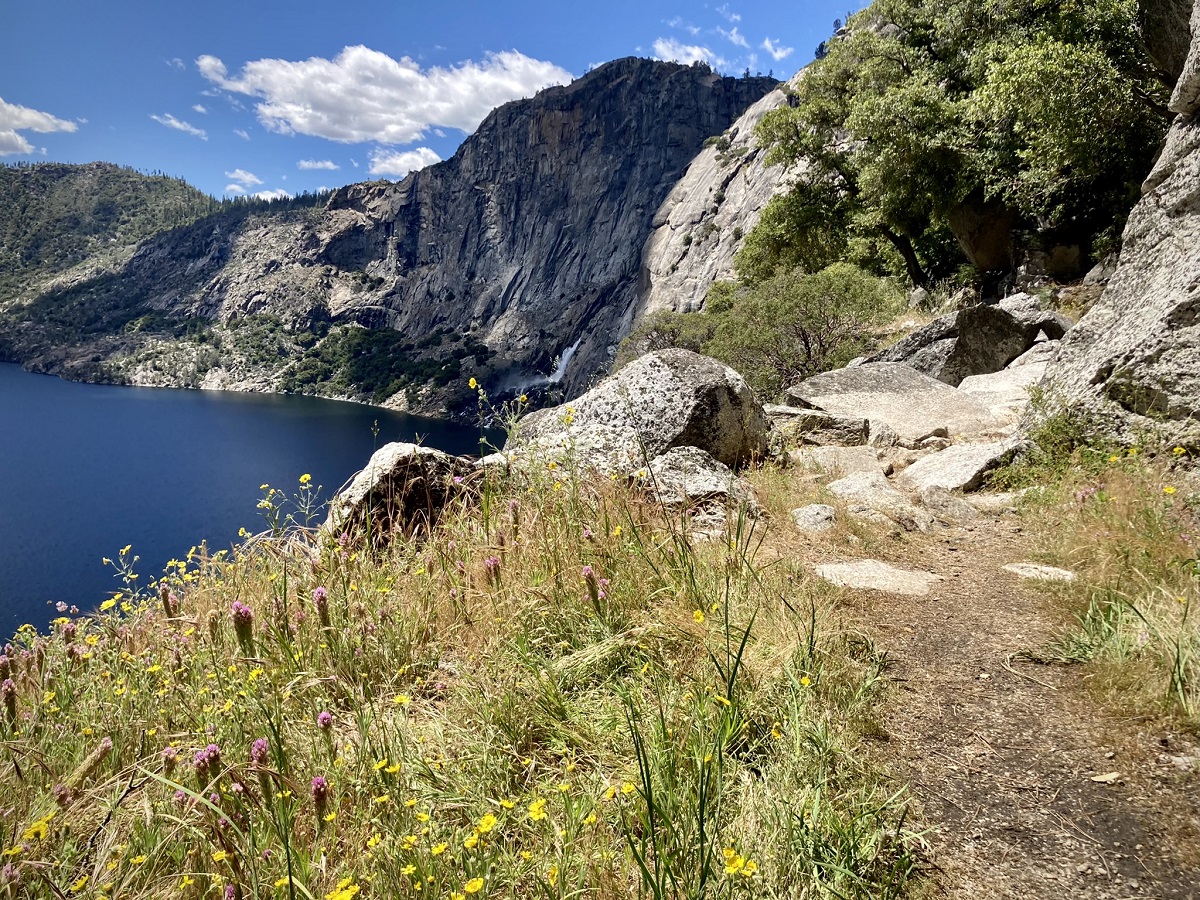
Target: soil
x: 1000, y: 752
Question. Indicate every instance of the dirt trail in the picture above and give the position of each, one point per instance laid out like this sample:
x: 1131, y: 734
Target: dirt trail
x: 1000, y: 751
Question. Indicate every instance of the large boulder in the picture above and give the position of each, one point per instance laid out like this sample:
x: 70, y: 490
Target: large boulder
x: 911, y: 404
x: 402, y: 490
x: 1164, y: 25
x: 666, y: 399
x: 1132, y: 364
x: 977, y: 340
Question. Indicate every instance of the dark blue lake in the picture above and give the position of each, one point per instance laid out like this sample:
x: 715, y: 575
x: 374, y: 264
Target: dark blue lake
x: 86, y: 469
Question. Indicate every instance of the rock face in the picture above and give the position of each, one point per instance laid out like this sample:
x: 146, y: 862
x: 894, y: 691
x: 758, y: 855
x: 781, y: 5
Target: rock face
x: 975, y: 341
x: 1132, y: 364
x: 1165, y: 31
x: 700, y: 226
x: 401, y: 491
x: 530, y: 237
x: 663, y: 400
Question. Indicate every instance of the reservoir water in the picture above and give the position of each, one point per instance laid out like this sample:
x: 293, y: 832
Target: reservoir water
x: 86, y: 469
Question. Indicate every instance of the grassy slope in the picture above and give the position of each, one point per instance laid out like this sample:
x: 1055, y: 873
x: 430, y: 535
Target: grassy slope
x: 487, y: 719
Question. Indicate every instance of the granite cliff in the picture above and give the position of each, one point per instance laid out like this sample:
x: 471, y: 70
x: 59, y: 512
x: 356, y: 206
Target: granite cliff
x: 523, y: 252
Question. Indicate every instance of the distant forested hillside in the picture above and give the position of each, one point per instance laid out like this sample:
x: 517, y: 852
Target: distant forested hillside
x: 56, y: 215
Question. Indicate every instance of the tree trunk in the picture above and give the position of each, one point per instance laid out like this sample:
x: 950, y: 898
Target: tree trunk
x: 904, y: 246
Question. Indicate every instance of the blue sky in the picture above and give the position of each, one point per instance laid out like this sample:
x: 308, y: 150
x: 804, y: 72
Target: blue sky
x: 251, y: 97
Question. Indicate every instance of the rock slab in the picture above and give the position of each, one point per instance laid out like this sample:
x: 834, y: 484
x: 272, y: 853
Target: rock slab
x: 814, y: 518
x: 911, y: 404
x: 958, y: 468
x: 872, y: 575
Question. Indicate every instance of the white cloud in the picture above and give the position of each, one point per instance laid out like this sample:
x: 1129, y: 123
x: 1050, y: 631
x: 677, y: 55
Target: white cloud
x: 723, y: 9
x: 678, y: 22
x: 200, y: 108
x: 14, y: 118
x: 365, y: 95
x: 240, y: 132
x: 234, y: 189
x: 175, y: 62
x: 776, y: 50
x: 11, y: 142
x: 317, y: 164
x: 244, y: 178
x: 279, y: 194
x: 734, y: 37
x: 670, y: 50
x: 397, y: 165
x: 179, y: 125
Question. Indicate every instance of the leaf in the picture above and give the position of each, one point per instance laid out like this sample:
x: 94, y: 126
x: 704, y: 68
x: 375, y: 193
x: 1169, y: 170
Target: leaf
x: 1108, y: 778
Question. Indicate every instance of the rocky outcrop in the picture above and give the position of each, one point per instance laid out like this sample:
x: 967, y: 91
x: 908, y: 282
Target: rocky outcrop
x: 700, y: 226
x: 402, y: 490
x: 529, y: 238
x: 977, y: 340
x: 1132, y: 364
x: 1165, y: 31
x: 663, y: 400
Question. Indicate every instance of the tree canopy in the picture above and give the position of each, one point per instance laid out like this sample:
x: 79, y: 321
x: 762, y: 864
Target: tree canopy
x: 927, y: 115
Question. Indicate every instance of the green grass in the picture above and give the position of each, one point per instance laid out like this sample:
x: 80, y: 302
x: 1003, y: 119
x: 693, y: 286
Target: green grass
x: 1125, y: 521
x: 556, y: 693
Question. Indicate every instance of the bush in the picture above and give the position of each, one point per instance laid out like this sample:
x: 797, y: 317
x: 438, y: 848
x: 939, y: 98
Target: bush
x: 794, y: 325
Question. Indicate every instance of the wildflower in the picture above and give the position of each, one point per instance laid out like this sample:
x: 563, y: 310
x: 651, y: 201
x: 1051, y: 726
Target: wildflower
x: 305, y: 479
x: 402, y: 699
x: 805, y: 681
x: 345, y: 890
x: 438, y: 849
x: 380, y: 763
x: 1168, y: 490
x: 243, y: 624
x: 628, y: 788
x: 187, y: 881
x: 219, y: 856
x: 472, y: 384
x: 8, y: 695
x: 472, y: 840
x: 698, y: 617
x: 1179, y: 451
x: 321, y: 602
x: 537, y: 810
x: 77, y: 886
x: 258, y: 752
x: 486, y: 824
x: 383, y: 798
x: 523, y: 399
x: 474, y: 886
x: 320, y: 794
x: 324, y: 720
x: 491, y: 566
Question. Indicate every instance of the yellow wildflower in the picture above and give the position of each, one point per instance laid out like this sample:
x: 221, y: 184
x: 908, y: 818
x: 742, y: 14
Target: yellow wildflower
x: 472, y: 384
x: 474, y: 886
x: 487, y: 823
x: 218, y: 855
x: 698, y: 617
x: 537, y: 810
x: 305, y: 478
x: 1168, y: 490
x: 438, y: 849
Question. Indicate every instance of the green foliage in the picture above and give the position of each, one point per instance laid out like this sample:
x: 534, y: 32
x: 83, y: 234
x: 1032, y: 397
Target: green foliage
x: 777, y: 331
x: 658, y: 331
x: 377, y: 363
x: 795, y: 325
x: 927, y: 108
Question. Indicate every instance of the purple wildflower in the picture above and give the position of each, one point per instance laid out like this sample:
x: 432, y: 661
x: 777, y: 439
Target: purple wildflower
x: 320, y: 795
x: 321, y: 602
x: 207, y: 761
x: 491, y: 566
x: 324, y: 720
x: 258, y: 752
x: 8, y: 696
x: 170, y: 756
x: 243, y: 624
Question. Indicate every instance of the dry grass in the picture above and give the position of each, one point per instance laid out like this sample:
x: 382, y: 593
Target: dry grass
x: 556, y: 693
